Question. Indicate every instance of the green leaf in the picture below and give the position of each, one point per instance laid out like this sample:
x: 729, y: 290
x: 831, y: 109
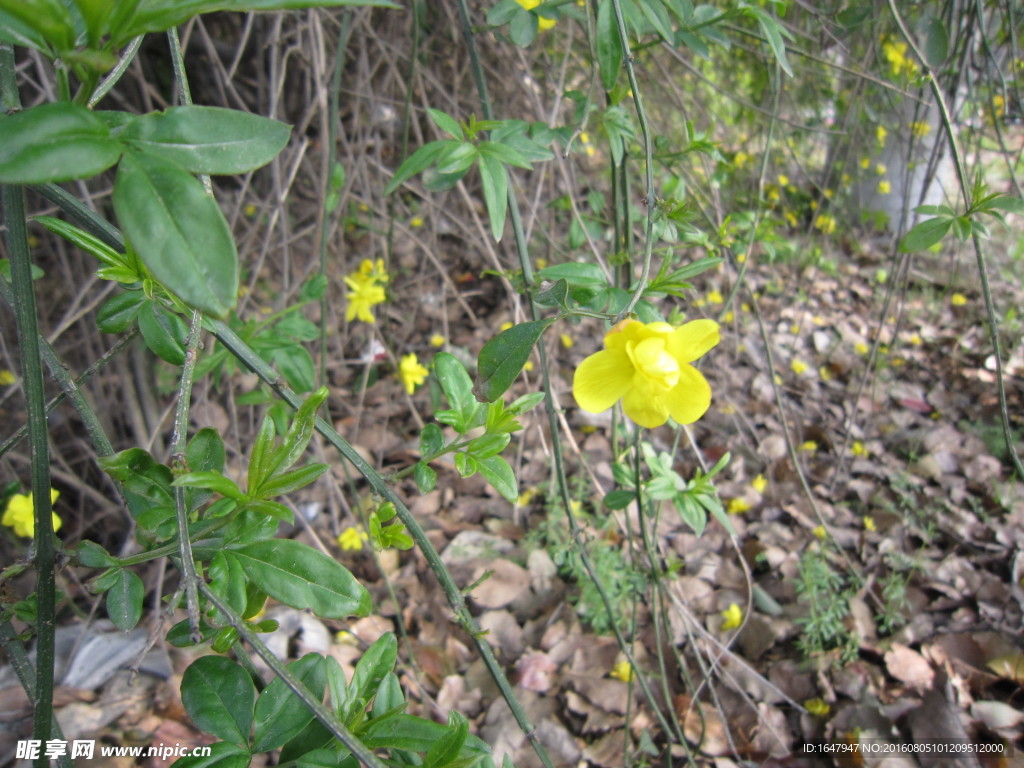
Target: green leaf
x: 124, y: 600
x: 488, y: 445
x: 446, y: 123
x: 297, y: 367
x: 1004, y: 203
x: 609, y: 45
x: 178, y: 231
x: 925, y: 234
x: 425, y: 477
x: 301, y: 577
x: 503, y: 357
x: 417, y: 162
x: 773, y: 32
x: 390, y: 697
x: 262, y: 452
x: 38, y: 21
x: 459, y: 158
x: 431, y: 441
x: 556, y: 295
x: 413, y: 734
x: 165, y: 333
x: 377, y: 662
x: 495, y: 186
x: 219, y: 696
x: 280, y: 714
x: 223, y: 754
x: 619, y: 499
x: 84, y: 240
x: 227, y: 579
x: 211, y: 480
x: 575, y: 273
x: 204, y: 453
x: 210, y: 140
x: 296, y: 439
x: 458, y: 389
x: 447, y: 748
x: 499, y: 474
x: 54, y: 142
x: 523, y: 28
x: 286, y: 482
x: 119, y: 312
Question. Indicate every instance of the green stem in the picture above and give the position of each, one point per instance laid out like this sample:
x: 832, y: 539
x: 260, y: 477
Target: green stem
x: 35, y: 406
x: 311, y: 702
x: 979, y: 252
x: 178, y: 462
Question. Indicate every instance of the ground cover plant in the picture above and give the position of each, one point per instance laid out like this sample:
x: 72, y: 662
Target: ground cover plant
x: 617, y: 381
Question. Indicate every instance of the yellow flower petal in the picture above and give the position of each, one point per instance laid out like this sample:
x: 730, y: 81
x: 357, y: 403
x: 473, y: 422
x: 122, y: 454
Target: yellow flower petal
x: 693, y: 339
x: 759, y: 483
x: 646, y: 409
x: 601, y: 379
x: 733, y: 616
x: 690, y: 399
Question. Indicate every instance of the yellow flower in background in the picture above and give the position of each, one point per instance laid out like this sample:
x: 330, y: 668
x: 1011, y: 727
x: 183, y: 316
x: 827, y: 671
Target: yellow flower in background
x: 920, y: 128
x: 916, y: 340
x: 411, y: 372
x: 998, y: 104
x: 647, y: 366
x: 817, y: 707
x: 957, y: 299
x: 825, y: 223
x: 505, y: 326
x: 738, y: 506
x: 20, y: 514
x: 869, y: 523
x: 543, y: 24
x: 437, y: 340
x: 759, y: 483
x: 566, y: 340
x: 352, y: 538
x: 623, y: 671
x: 858, y: 448
x: 740, y: 159
x: 714, y: 297
x: 884, y: 187
x: 783, y: 180
x: 416, y: 221
x: 798, y: 366
x: 374, y: 270
x: 820, y: 533
x: 825, y: 373
x: 526, y: 497
x: 6, y: 378
x: 861, y: 348
x: 363, y: 295
x: 880, y: 134
x: 865, y: 163
x: 809, y: 446
x: 880, y: 169
x: 528, y: 366
x: 733, y: 616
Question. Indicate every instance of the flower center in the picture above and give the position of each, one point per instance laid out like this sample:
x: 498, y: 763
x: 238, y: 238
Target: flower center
x: 653, y: 362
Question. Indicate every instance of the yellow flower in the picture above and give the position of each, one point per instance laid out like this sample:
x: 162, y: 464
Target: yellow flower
x: 733, y: 616
x: 714, y: 297
x: 817, y: 707
x: 880, y: 169
x: 869, y: 523
x: 647, y: 365
x: 364, y: 294
x: 740, y: 159
x: 957, y: 299
x: 998, y: 104
x: 729, y: 316
x: 916, y: 340
x: 566, y: 340
x: 798, y: 366
x: 880, y: 134
x: 861, y: 348
x: 543, y: 24
x: 865, y: 163
x: 249, y: 210
x: 20, y: 514
x: 858, y: 448
x: 526, y: 497
x: 825, y: 223
x: 437, y: 340
x: 825, y: 373
x: 741, y: 258
x: 920, y: 128
x: 505, y: 326
x: 809, y: 446
x: 416, y: 222
x: 783, y: 180
x: 884, y: 187
x: 738, y: 506
x: 411, y: 372
x: 759, y: 483
x: 374, y: 270
x: 622, y: 671
x: 820, y: 533
x: 6, y: 378
x: 352, y: 538
x: 528, y: 366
